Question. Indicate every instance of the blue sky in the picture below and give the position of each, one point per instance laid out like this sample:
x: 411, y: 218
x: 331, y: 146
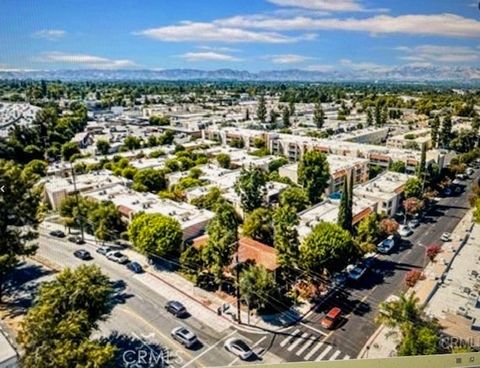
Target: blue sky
x: 239, y: 34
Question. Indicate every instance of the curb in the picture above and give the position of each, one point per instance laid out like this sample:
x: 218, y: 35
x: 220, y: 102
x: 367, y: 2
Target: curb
x: 369, y: 342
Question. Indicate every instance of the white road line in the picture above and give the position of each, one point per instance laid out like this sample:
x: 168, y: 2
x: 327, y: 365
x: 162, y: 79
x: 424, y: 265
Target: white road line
x: 206, y: 351
x: 314, y: 350
x: 325, y: 352
x: 335, y: 355
x: 314, y: 329
x: 346, y: 357
x: 298, y: 341
x: 288, y: 338
x: 305, y: 346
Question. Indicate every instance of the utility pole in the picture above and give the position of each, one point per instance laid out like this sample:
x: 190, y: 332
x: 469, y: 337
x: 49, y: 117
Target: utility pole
x: 77, y: 201
x: 237, y: 275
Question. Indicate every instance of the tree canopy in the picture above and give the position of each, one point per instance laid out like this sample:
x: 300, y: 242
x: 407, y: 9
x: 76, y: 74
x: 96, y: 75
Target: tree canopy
x: 251, y: 188
x: 313, y: 174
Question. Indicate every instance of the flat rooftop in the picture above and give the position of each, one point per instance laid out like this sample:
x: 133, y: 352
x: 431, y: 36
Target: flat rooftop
x: 384, y: 185
x: 96, y: 179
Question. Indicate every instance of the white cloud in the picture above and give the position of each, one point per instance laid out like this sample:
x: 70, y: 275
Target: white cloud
x: 84, y: 60
x: 210, y: 32
x: 287, y: 58
x: 328, y: 5
x: 449, y: 25
x: 50, y: 34
x: 366, y: 66
x: 440, y: 54
x: 218, y: 48
x: 208, y: 56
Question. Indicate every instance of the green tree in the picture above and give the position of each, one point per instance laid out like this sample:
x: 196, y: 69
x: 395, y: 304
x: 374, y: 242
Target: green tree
x: 36, y: 167
x: 257, y: 287
x: 103, y: 146
x: 155, y: 234
x: 318, y: 116
x: 106, y: 221
x: 158, y: 120
x: 327, y: 248
x: 435, y: 131
x: 295, y: 197
x: 313, y: 174
x: 251, y: 188
x: 223, y: 160
x: 422, y: 166
x: 132, y: 142
x: 378, y: 114
x: 56, y: 331
x: 149, y: 180
x: 222, y: 241
x: 369, y: 117
x: 476, y: 212
x: 258, y: 225
x: 345, y: 215
x: 69, y: 149
x: 286, y: 117
x: 210, y: 200
x: 413, y: 188
x: 285, y: 221
x: 368, y: 231
x: 261, y: 109
x: 397, y: 166
x: 291, y: 107
x: 19, y: 204
x: 446, y: 132
x: 276, y: 164
x: 273, y: 116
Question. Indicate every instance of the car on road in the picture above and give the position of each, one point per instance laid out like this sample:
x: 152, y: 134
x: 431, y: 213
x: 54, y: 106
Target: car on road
x: 239, y: 348
x: 184, y: 336
x: 339, y: 279
x: 356, y: 272
x: 76, y: 240
x: 405, y: 230
x: 446, y: 237
x: 447, y: 192
x: 370, y: 260
x: 135, y: 267
x: 387, y: 245
x: 413, y: 223
x: 83, y: 254
x: 331, y: 318
x: 104, y: 250
x: 57, y: 233
x: 176, y: 308
x: 117, y: 256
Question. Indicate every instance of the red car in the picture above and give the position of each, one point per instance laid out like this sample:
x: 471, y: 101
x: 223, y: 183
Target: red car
x: 331, y: 319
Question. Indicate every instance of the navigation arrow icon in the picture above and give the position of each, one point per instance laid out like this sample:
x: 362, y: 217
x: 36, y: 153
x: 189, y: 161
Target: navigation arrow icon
x: 2, y: 188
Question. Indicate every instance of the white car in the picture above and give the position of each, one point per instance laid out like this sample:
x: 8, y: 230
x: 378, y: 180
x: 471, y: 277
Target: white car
x: 446, y: 237
x: 184, y: 336
x: 355, y: 272
x: 405, y: 230
x: 117, y: 256
x: 239, y: 348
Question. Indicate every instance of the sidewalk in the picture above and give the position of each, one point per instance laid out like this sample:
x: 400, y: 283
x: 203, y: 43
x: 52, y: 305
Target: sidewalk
x: 383, y: 342
x: 171, y: 285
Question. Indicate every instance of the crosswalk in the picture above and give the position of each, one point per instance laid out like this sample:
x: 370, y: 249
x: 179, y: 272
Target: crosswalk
x: 309, y: 346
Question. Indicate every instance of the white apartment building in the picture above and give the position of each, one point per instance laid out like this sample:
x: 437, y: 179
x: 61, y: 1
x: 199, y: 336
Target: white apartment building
x: 416, y: 139
x: 129, y: 202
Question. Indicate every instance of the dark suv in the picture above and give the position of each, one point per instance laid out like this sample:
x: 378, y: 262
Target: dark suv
x: 176, y: 308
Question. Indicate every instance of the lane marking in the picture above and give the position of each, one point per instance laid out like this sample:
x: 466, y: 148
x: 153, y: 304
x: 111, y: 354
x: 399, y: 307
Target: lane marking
x: 304, y: 347
x: 298, y: 341
x: 314, y: 329
x: 288, y: 338
x: 325, y: 352
x: 346, y: 357
x: 314, y: 350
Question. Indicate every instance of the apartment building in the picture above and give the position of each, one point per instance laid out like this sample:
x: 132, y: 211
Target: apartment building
x: 416, y: 140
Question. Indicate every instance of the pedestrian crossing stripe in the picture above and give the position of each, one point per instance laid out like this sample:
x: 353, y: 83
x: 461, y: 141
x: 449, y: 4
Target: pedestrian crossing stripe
x: 314, y: 350
x: 288, y: 338
x: 335, y: 355
x: 305, y: 347
x: 298, y: 341
x: 325, y: 352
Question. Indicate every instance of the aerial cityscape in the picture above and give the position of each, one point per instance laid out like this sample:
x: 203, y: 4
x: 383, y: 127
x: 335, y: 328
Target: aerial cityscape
x: 238, y: 183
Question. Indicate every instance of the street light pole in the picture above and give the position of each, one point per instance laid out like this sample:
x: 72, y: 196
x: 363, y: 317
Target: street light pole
x: 237, y: 275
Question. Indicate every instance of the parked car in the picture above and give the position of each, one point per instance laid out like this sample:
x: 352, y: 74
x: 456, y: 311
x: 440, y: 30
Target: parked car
x: 387, y: 245
x: 369, y: 260
x: 331, y: 318
x: 355, y: 272
x: 83, y: 254
x: 339, y: 279
x: 413, y: 223
x: 184, y: 336
x: 57, y: 233
x: 176, y: 308
x: 446, y: 237
x: 135, y: 267
x: 117, y: 256
x: 104, y: 250
x: 76, y: 239
x: 405, y: 230
x: 239, y: 348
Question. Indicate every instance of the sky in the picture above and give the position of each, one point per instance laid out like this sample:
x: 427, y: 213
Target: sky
x: 249, y: 35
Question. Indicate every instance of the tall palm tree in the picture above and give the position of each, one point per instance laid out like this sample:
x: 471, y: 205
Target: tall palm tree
x: 399, y: 312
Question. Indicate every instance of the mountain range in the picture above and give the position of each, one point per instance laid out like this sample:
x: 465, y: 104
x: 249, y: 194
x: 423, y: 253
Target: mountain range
x: 407, y: 73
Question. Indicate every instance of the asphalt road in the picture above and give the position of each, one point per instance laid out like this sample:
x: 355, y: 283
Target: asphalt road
x: 360, y: 302
x: 139, y: 320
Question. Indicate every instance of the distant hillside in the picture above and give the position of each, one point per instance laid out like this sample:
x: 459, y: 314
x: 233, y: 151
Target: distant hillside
x: 402, y: 73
